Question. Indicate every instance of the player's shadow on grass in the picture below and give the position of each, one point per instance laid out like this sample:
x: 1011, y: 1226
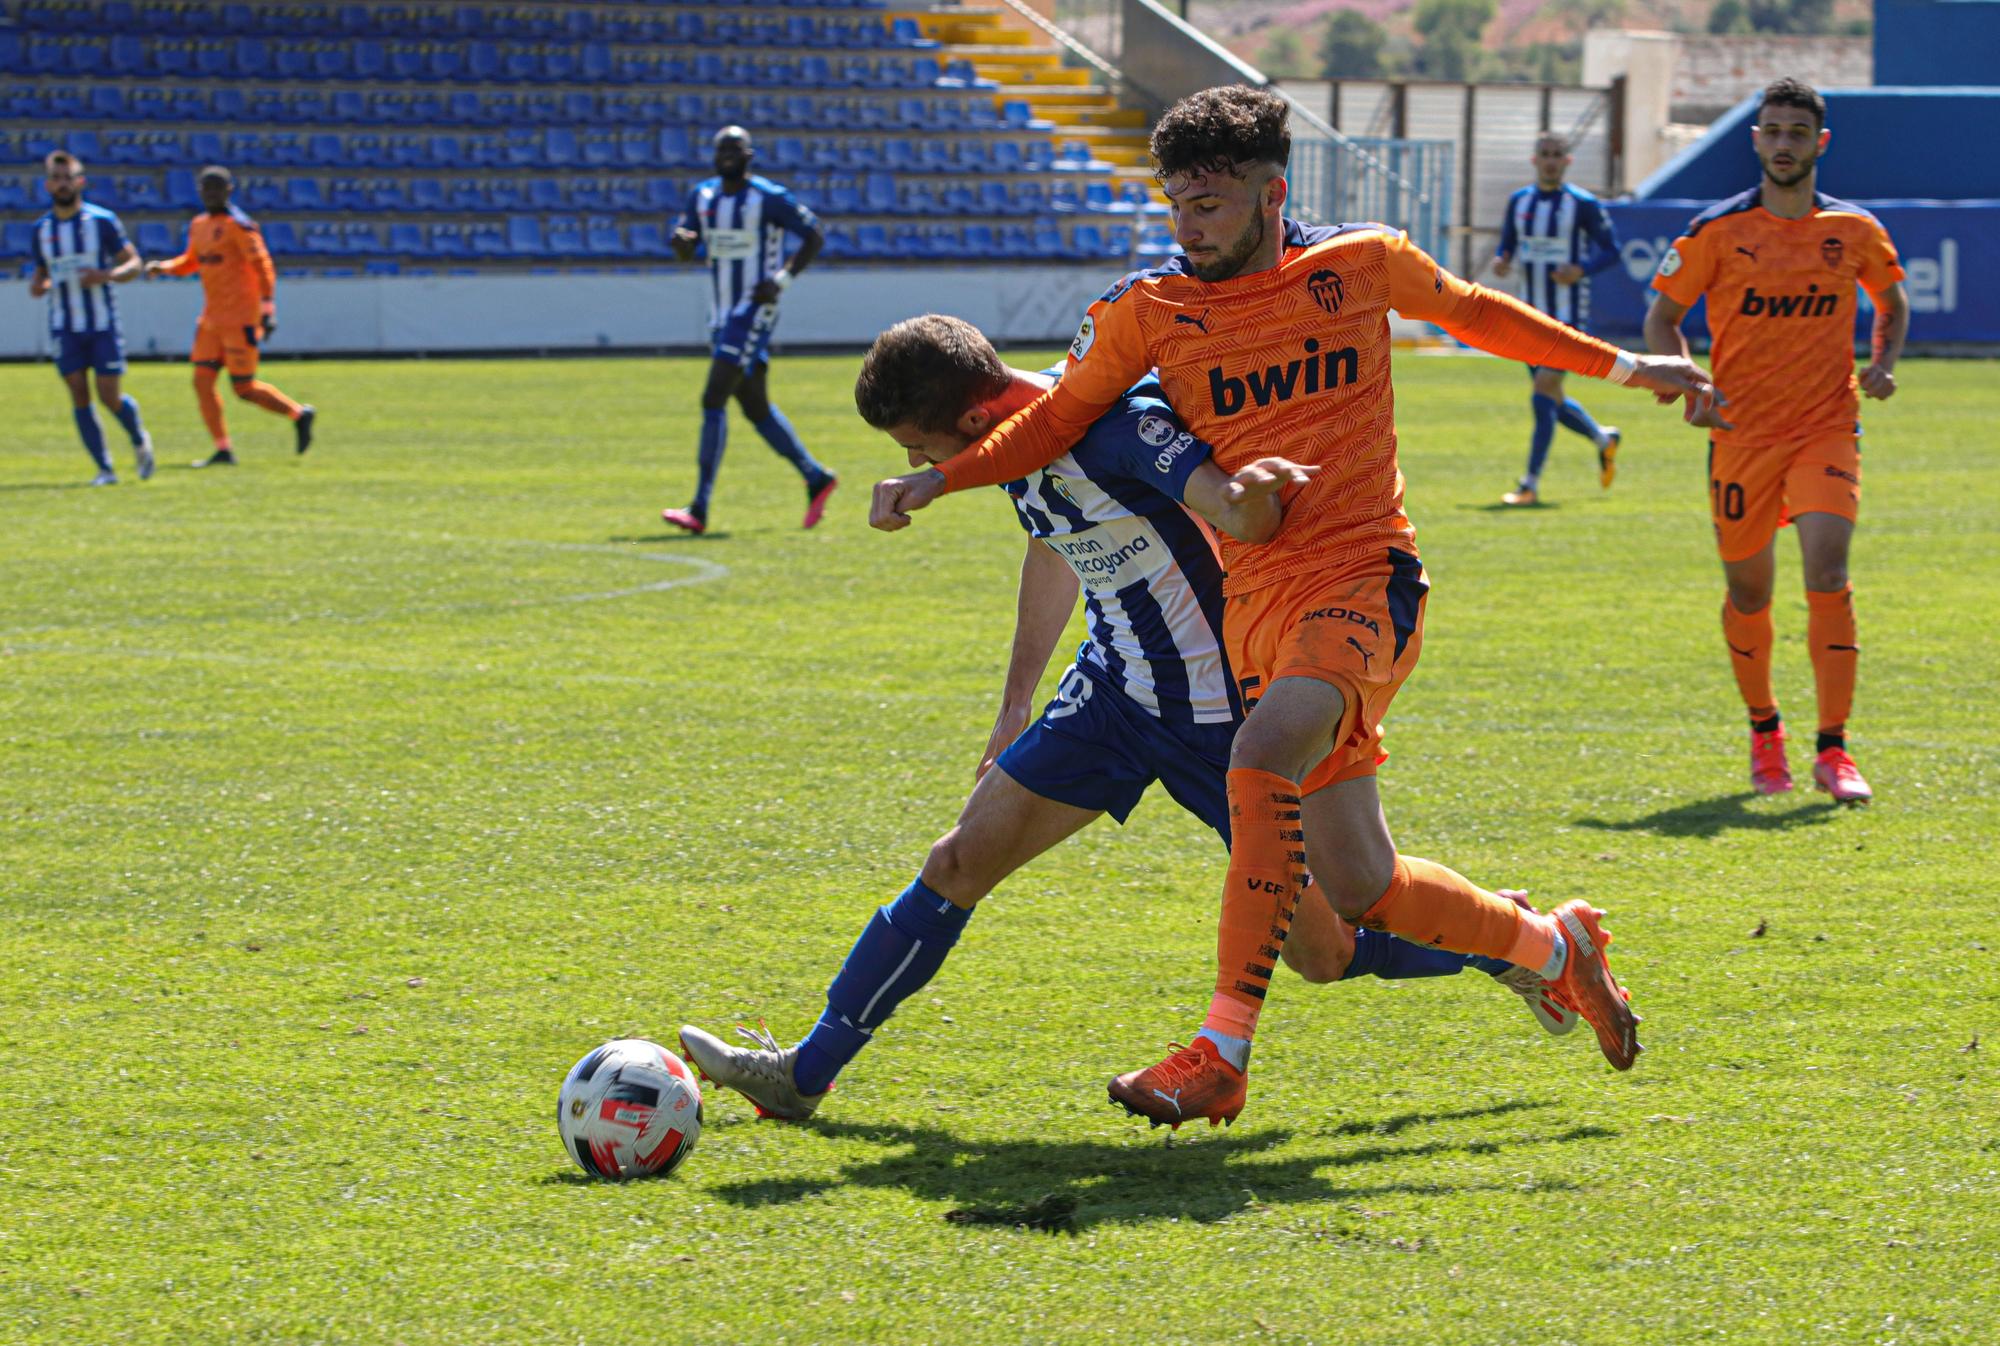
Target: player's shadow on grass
x: 1712, y: 817
x: 678, y: 535
x: 1495, y: 507
x: 46, y: 486
x: 1068, y: 1186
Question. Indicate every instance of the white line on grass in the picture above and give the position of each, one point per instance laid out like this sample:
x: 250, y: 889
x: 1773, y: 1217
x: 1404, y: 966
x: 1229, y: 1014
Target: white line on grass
x: 704, y: 572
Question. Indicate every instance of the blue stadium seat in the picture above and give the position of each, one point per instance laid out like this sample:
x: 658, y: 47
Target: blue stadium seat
x: 872, y: 240
x: 14, y: 56
x: 214, y: 60
x: 371, y: 60
x: 466, y: 194
x: 155, y: 240
x: 206, y: 146
x: 600, y: 150
x: 1065, y: 199
x: 1087, y: 240
x: 146, y: 103
x: 451, y: 240
x: 327, y: 148
x: 524, y: 236
x: 649, y: 239
x: 601, y: 238
x: 349, y: 106
x: 427, y: 195
x: 290, y: 61
x: 979, y: 241
x: 280, y: 237
x: 303, y: 195
x: 565, y: 236
x: 181, y: 188
x: 482, y: 62
x: 391, y: 195
x: 677, y: 147
x: 445, y: 152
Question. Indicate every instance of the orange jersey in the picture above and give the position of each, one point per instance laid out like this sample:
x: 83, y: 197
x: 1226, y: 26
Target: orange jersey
x: 1781, y: 309
x: 1294, y: 362
x: 237, y: 277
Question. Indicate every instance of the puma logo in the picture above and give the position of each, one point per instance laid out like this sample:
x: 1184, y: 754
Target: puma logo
x: 1173, y: 1098
x: 1851, y: 649
x: 1367, y: 656
x: 1750, y: 653
x: 1751, y: 253
x: 1192, y: 321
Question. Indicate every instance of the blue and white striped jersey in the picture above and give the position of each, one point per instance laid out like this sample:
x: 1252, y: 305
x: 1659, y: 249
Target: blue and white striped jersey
x: 1545, y: 230
x: 86, y: 241
x: 1152, y: 581
x: 744, y: 232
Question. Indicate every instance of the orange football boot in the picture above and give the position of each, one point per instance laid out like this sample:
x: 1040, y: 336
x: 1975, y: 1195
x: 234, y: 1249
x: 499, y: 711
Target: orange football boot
x: 1192, y: 1082
x: 1587, y: 986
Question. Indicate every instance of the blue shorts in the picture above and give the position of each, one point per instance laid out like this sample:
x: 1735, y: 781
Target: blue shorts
x: 745, y: 335
x: 1095, y: 748
x: 101, y: 351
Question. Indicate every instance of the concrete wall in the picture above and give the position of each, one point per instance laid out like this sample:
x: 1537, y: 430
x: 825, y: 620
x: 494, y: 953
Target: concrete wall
x: 1024, y: 304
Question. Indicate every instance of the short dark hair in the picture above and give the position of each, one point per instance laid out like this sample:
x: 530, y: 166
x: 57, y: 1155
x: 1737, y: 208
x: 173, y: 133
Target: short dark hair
x: 62, y: 159
x: 1556, y: 138
x: 1219, y: 130
x: 1789, y: 92
x: 216, y: 172
x: 928, y: 372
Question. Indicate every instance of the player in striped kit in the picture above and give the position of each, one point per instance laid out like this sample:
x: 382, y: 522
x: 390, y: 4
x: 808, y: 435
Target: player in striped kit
x: 742, y: 220
x: 1150, y: 696
x: 81, y: 251
x: 1561, y: 237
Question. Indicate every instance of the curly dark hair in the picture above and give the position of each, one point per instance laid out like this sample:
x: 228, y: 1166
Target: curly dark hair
x: 1222, y: 129
x: 1796, y: 93
x: 928, y: 372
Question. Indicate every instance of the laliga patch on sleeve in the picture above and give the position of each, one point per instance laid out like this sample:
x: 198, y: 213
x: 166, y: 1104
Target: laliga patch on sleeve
x: 1154, y: 431
x: 1086, y: 336
x: 1671, y: 262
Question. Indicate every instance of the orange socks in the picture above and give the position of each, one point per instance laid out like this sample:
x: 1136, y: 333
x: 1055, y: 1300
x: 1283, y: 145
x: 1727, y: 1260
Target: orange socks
x: 1267, y: 861
x: 1436, y: 907
x: 269, y: 398
x: 210, y: 402
x: 1749, y: 636
x: 1830, y: 634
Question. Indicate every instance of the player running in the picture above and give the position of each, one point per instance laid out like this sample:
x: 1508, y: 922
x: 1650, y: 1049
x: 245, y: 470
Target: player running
x: 1148, y: 699
x: 80, y: 252
x: 1561, y: 237
x: 1779, y: 264
x: 742, y: 220
x: 239, y: 312
x: 1271, y: 337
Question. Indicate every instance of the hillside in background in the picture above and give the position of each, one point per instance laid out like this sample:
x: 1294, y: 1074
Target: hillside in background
x: 1483, y: 39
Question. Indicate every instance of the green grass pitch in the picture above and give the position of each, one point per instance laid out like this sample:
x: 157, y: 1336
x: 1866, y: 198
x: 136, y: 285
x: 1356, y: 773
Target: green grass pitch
x: 345, y: 802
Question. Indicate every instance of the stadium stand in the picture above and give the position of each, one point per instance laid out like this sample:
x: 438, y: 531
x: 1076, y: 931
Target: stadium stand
x: 376, y: 137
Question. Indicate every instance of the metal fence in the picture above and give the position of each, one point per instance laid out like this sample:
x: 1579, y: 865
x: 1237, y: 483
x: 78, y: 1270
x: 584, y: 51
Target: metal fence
x: 1151, y: 56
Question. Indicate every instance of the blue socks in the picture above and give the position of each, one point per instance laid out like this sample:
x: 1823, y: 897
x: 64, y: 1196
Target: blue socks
x: 1380, y: 955
x: 714, y: 435
x: 1545, y: 435
x: 128, y: 416
x: 785, y: 442
x: 901, y: 949
x: 1574, y: 417
x: 93, y: 436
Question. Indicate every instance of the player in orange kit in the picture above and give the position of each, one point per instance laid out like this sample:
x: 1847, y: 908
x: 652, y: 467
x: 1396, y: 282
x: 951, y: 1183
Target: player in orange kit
x: 239, y: 310
x: 1273, y: 338
x: 1779, y: 264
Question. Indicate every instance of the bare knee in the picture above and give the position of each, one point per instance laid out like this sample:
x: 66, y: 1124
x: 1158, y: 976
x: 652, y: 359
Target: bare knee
x: 953, y: 871
x: 1749, y: 597
x: 1826, y: 577
x: 1317, y: 950
x: 1357, y: 885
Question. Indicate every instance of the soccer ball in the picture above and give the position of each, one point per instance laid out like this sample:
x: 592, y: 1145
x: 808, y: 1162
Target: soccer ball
x: 630, y: 1109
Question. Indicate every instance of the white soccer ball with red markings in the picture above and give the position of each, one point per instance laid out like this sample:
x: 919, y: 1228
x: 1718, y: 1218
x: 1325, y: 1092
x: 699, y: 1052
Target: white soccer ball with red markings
x: 630, y: 1109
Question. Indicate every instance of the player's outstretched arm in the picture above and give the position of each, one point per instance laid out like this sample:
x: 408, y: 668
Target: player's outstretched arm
x: 1042, y: 610
x: 1248, y: 506
x: 1503, y: 325
x: 1667, y: 342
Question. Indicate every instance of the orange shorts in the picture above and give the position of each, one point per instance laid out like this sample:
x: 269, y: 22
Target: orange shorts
x: 1360, y: 629
x: 231, y: 348
x: 1754, y: 490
